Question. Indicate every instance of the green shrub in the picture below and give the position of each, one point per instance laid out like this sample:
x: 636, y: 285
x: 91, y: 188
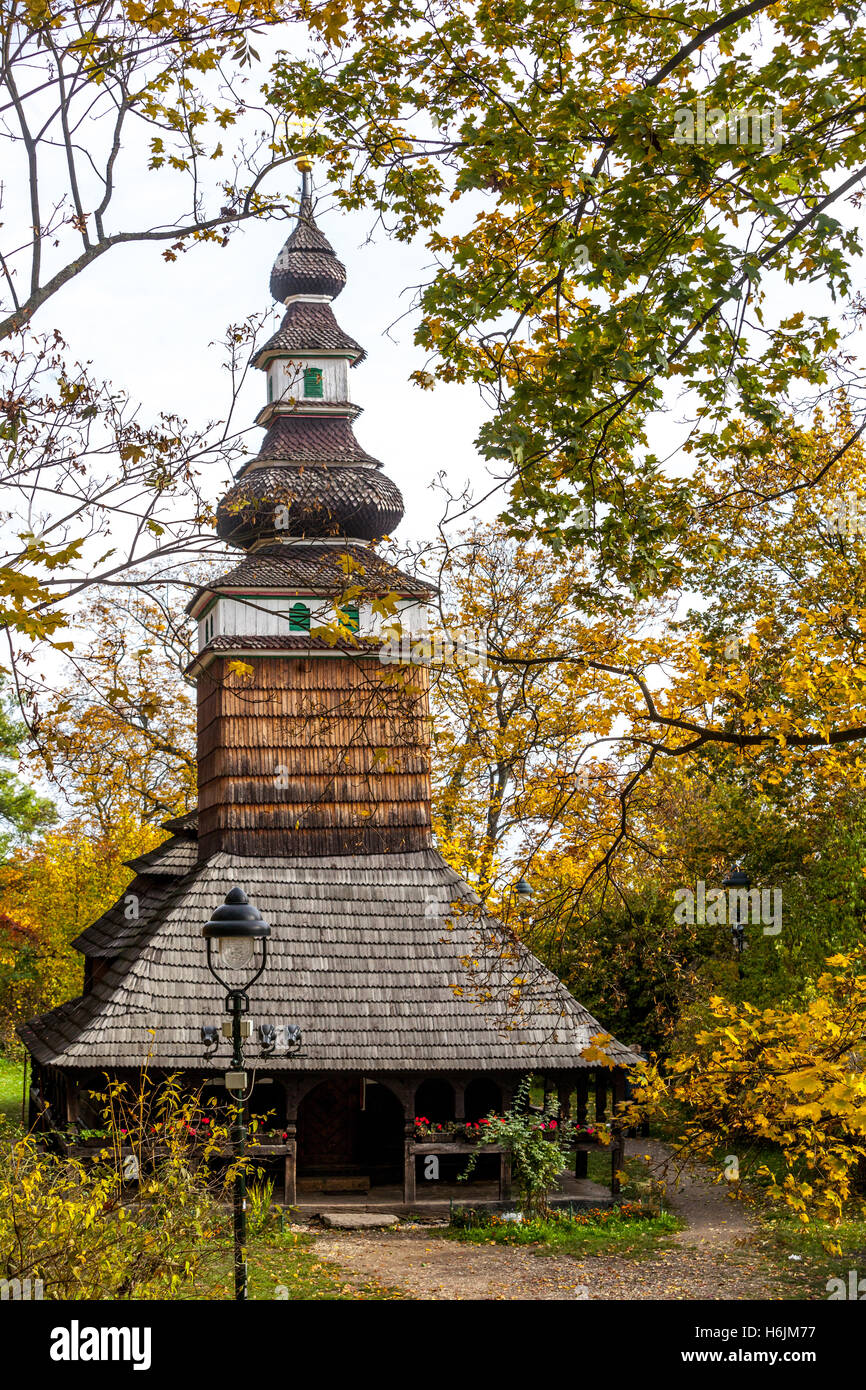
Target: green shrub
x: 531, y: 1140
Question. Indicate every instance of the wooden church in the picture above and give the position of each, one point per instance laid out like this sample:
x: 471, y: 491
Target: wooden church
x: 314, y: 797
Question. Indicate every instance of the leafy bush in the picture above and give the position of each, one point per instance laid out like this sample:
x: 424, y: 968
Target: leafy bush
x: 788, y: 1081
x: 261, y: 1215
x: 531, y: 1140
x: 90, y: 1232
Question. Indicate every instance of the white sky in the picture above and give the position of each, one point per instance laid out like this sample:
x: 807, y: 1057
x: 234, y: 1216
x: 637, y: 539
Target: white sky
x: 147, y: 326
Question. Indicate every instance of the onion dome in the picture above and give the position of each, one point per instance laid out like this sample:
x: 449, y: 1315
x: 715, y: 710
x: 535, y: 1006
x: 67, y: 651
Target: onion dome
x: 304, y: 439
x: 307, y: 263
x: 314, y: 502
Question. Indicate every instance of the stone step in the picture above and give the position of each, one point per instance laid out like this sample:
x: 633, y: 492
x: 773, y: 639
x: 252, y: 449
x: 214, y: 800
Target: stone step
x: 356, y: 1220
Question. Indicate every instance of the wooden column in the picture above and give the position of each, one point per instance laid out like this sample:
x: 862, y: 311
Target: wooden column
x: 409, y: 1167
x: 504, y: 1177
x: 290, y: 1181
x: 581, y: 1160
x: 600, y: 1093
x: 617, y: 1147
x: 290, y: 1168
x: 563, y: 1095
x: 71, y: 1100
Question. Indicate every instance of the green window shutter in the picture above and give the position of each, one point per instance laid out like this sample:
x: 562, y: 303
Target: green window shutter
x: 313, y: 381
x: 349, y: 616
x: 299, y: 618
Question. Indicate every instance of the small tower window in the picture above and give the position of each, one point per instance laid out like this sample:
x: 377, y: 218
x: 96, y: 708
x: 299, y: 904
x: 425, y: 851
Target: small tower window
x: 270, y: 387
x: 299, y: 618
x: 313, y: 381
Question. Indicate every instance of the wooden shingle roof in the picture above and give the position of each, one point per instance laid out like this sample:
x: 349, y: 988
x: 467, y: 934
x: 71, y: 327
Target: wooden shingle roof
x: 309, y: 328
x: 309, y: 501
x: 315, y: 569
x: 307, y: 264
x: 383, y: 961
x: 299, y: 438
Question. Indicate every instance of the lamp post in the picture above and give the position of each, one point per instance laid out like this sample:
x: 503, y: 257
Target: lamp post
x: 232, y: 935
x: 737, y: 879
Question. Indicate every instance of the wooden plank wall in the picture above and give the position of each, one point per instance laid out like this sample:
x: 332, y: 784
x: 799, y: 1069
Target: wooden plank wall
x: 313, y: 755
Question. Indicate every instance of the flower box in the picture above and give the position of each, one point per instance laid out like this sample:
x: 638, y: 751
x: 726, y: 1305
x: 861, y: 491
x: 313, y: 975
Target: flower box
x: 474, y: 1130
x: 586, y: 1135
x: 431, y: 1131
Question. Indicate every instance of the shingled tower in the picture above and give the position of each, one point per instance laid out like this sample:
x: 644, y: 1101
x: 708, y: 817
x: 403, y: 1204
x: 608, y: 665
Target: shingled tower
x: 314, y: 795
x: 312, y: 744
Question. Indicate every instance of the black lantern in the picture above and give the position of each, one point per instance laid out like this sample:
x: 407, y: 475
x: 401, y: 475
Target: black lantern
x: 524, y: 892
x: 741, y: 882
x: 231, y: 935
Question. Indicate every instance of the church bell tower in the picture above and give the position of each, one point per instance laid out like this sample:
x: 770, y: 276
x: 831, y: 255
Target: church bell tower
x: 311, y: 740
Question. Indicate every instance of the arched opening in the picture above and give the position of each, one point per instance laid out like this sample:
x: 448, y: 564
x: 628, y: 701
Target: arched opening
x: 299, y: 618
x: 382, y: 1128
x: 482, y: 1096
x: 329, y: 1123
x: 349, y: 1128
x: 434, y: 1099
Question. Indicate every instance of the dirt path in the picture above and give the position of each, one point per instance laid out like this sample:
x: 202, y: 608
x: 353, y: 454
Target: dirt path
x: 713, y: 1220
x: 713, y: 1258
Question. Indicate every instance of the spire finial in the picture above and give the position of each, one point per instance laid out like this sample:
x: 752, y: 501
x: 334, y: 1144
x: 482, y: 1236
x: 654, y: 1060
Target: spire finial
x: 305, y: 164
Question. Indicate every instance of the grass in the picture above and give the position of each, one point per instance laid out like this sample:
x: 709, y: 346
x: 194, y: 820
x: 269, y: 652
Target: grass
x: 629, y: 1232
x: 11, y: 1073
x: 282, y: 1266
x: 813, y: 1246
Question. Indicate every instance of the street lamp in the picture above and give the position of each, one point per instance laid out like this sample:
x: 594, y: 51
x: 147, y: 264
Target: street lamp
x: 524, y: 893
x: 232, y: 935
x: 739, y: 880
